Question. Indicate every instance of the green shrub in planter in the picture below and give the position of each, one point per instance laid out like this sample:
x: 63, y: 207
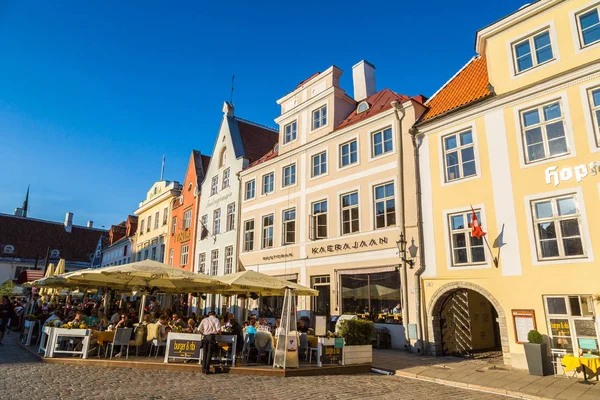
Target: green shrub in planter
x: 535, y: 337
x: 357, y: 332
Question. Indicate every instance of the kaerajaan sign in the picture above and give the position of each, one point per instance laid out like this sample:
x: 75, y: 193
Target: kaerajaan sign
x: 363, y: 244
x: 555, y: 176
x: 277, y: 257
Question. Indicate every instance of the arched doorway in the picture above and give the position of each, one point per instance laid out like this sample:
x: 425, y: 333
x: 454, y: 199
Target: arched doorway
x: 466, y: 320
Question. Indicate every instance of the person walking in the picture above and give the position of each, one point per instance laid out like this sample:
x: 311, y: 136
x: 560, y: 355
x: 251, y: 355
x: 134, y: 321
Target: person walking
x: 6, y: 313
x: 209, y: 327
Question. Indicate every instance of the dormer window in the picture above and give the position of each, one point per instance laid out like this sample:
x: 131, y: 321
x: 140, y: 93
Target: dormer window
x: 362, y: 107
x: 55, y: 253
x: 223, y: 157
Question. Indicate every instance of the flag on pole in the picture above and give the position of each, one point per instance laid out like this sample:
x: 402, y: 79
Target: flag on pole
x: 476, y: 230
x: 204, y: 232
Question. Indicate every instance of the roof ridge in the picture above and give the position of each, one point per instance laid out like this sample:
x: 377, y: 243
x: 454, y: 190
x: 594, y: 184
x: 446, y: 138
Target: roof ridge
x: 257, y: 124
x: 451, y: 79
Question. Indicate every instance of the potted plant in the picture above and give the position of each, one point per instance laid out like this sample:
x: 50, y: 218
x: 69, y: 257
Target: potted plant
x: 536, y: 353
x: 358, y: 337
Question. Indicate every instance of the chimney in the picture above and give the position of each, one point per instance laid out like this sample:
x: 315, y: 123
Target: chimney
x: 18, y: 212
x: 228, y: 109
x: 363, y: 78
x: 90, y: 224
x: 68, y: 222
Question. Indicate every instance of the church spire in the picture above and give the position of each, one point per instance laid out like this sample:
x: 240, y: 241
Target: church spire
x: 26, y: 202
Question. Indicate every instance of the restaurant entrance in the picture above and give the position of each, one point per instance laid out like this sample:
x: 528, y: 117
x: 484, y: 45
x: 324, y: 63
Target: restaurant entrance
x: 321, y: 304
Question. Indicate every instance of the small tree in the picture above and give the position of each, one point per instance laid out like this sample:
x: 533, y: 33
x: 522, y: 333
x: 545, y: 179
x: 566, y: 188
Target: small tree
x: 535, y: 337
x: 357, y: 332
x: 6, y: 288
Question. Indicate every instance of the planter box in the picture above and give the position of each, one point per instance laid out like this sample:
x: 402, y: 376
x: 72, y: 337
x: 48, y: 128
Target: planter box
x: 537, y: 359
x: 358, y: 354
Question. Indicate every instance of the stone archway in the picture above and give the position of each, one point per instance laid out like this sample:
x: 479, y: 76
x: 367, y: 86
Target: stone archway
x: 434, y: 308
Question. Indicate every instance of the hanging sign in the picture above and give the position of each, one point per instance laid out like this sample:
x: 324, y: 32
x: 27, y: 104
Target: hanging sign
x: 185, y: 348
x: 331, y: 351
x: 292, y: 343
x: 524, y: 321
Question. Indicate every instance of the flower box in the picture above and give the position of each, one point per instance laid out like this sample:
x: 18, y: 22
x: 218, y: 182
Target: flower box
x: 358, y: 354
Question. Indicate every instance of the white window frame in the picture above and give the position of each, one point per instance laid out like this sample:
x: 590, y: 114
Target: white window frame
x: 265, y: 229
x: 340, y: 154
x: 294, y: 175
x: 514, y: 73
x: 392, y: 140
x: 156, y: 219
x: 187, y: 219
x: 384, y: 200
x: 214, y: 185
x: 184, y: 257
x: 458, y: 149
x: 466, y: 214
x: 249, y: 245
x: 543, y: 125
x: 214, y: 262
x: 594, y: 123
x: 580, y: 46
x: 171, y: 254
x: 272, y: 184
x: 216, y: 221
x: 230, y: 217
x: 202, y: 263
x: 173, y: 225
x: 250, y: 190
x: 226, y: 177
x: 285, y: 224
x: 312, y: 164
x: 165, y: 216
x: 228, y: 260
x: 320, y: 117
x: 315, y: 220
x: 342, y: 208
x: 294, y: 131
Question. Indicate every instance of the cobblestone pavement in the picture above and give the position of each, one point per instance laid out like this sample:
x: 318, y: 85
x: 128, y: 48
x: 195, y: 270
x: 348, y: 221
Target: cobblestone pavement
x: 24, y: 377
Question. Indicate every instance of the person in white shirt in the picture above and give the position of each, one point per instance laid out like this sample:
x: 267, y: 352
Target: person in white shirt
x: 209, y: 327
x: 56, y: 316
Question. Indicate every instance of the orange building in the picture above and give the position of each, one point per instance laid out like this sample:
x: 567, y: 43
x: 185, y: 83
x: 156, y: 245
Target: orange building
x: 184, y: 214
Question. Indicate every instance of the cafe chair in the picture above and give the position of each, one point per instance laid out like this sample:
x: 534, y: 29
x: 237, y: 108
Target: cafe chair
x: 139, y: 335
x: 152, y: 337
x: 263, y: 341
x: 313, y: 347
x: 246, y: 349
x: 557, y: 356
x: 122, y: 336
x: 303, y: 346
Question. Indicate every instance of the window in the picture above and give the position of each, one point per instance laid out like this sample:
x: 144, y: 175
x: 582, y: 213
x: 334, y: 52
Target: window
x: 268, y: 183
x: 571, y: 323
x: 217, y: 221
x: 162, y: 253
x: 165, y: 215
x: 149, y: 223
x: 382, y: 142
x: 319, y: 164
x: 153, y: 257
x: 466, y: 249
x: 125, y: 248
x: 171, y: 251
x: 363, y: 106
x: 185, y: 249
x: 187, y: 219
x: 142, y: 227
x: 533, y: 51
x: 289, y: 175
x: 202, y: 263
x: 557, y: 228
x: 289, y: 132
x: 348, y: 153
x: 318, y: 220
x: 289, y: 226
x: 459, y: 156
x: 231, y: 217
x: 228, y: 259
x: 223, y: 157
x: 226, y: 174
x: 174, y: 225
x: 214, y: 186
x: 319, y: 117
x: 385, y: 206
x: 204, y: 220
x: 156, y: 218
x: 589, y: 26
x: 544, y: 132
x: 371, y: 293
x: 250, y: 186
x: 349, y: 213
x: 595, y: 107
x: 249, y: 235
x: 267, y: 231
x: 214, y: 262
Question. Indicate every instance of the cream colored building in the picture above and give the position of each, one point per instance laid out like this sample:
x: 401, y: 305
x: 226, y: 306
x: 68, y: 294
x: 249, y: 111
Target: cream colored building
x: 515, y: 135
x: 325, y: 207
x: 153, y: 221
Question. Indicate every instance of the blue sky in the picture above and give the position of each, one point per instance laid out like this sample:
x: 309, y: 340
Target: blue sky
x: 93, y: 93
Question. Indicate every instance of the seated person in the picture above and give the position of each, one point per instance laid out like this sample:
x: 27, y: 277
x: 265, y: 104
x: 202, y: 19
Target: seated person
x: 251, y: 331
x: 397, y: 309
x: 191, y: 325
x: 238, y: 331
x: 302, y: 328
x: 93, y: 318
x: 78, y: 317
x: 176, y: 320
x: 125, y: 322
x: 263, y: 326
x: 56, y: 317
x: 162, y: 328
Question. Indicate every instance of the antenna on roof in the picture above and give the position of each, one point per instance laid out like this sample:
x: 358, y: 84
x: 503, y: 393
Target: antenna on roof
x: 162, y: 170
x: 231, y: 96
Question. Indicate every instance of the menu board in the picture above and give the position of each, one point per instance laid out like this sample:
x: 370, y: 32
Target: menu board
x: 185, y: 348
x: 320, y: 325
x: 332, y: 354
x: 524, y: 322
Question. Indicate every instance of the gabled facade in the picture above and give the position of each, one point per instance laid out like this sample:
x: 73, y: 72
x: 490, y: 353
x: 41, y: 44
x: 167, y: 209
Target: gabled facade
x: 184, y: 214
x: 239, y: 142
x: 120, y: 248
x: 514, y: 137
x: 327, y: 207
x: 153, y: 226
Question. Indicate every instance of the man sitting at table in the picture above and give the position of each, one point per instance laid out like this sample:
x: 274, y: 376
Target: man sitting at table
x: 162, y: 328
x: 397, y: 309
x: 78, y: 317
x: 264, y: 326
x: 176, y: 320
x: 209, y: 327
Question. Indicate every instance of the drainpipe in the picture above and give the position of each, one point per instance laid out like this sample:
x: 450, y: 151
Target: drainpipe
x: 414, y: 132
x: 400, y: 113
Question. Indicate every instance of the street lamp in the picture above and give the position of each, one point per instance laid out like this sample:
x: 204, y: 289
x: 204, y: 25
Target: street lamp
x: 412, y: 250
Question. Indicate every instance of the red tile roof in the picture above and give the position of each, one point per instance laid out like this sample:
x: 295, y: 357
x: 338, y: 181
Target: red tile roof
x: 378, y: 102
x: 256, y: 139
x: 31, y: 238
x: 270, y: 155
x: 469, y: 85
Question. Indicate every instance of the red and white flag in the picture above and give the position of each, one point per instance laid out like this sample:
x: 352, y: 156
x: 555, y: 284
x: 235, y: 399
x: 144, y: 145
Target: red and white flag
x: 476, y: 230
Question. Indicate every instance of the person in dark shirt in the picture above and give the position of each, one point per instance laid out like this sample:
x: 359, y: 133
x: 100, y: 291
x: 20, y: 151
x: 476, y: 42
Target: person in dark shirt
x: 6, y: 313
x: 238, y: 330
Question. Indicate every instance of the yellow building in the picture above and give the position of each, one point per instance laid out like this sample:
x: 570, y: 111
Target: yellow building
x: 325, y: 207
x: 153, y: 221
x: 514, y: 135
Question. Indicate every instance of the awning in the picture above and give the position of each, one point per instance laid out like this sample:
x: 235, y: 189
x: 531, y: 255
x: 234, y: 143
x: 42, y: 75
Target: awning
x: 372, y: 270
x: 30, y: 275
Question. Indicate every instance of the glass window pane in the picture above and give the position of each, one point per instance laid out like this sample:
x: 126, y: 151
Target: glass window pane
x: 574, y: 303
x: 569, y: 228
x: 558, y: 146
x: 450, y: 142
x: 588, y: 19
x: 457, y: 222
x: 567, y: 206
x: 549, y: 248
x: 552, y: 111
x: 555, y: 130
x: 453, y: 173
x: 573, y: 247
x: 587, y: 306
x: 547, y: 230
x: 533, y: 136
x: 541, y: 40
x: 543, y: 209
x: 379, y: 192
x: 460, y: 256
x: 478, y: 254
x: 468, y: 154
x: 556, y: 305
x: 524, y: 63
x: 522, y: 49
x: 596, y: 97
x: 536, y: 152
x: 459, y: 240
x: 531, y: 117
x: 389, y: 189
x: 466, y: 138
x: 469, y: 168
x: 452, y: 158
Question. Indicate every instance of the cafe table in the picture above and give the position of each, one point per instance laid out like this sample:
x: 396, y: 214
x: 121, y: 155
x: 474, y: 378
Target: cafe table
x: 589, y: 361
x: 103, y: 338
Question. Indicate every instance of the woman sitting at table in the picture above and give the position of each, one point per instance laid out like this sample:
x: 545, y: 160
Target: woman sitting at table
x: 302, y: 328
x: 191, y: 325
x: 93, y: 318
x: 250, y: 330
x: 125, y: 322
x: 102, y: 322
